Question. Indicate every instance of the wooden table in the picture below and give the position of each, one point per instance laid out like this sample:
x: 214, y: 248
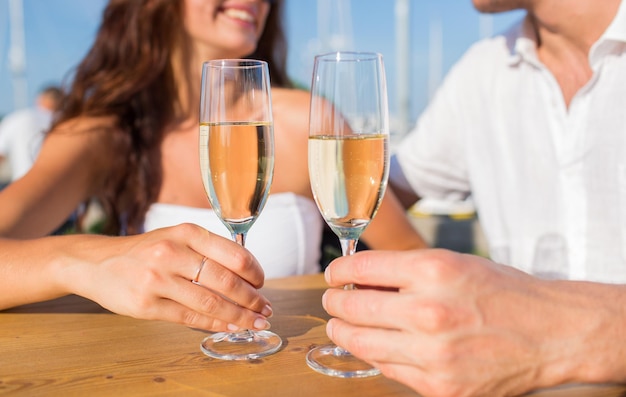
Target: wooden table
x: 72, y: 347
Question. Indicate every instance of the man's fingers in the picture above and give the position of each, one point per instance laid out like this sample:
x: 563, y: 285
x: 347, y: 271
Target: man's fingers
x: 363, y: 307
x: 367, y: 268
x: 414, y: 377
x: 376, y: 345
x: 395, y: 269
x: 391, y: 310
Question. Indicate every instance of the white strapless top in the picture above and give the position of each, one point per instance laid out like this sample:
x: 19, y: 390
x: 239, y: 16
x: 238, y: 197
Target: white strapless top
x: 286, y: 238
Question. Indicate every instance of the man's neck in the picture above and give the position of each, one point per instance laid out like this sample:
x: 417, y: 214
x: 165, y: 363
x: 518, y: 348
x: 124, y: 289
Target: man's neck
x: 566, y: 30
x: 578, y: 23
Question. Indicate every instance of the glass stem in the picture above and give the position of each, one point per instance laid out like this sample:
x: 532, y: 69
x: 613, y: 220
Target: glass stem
x: 244, y: 335
x: 348, y: 247
x: 240, y: 238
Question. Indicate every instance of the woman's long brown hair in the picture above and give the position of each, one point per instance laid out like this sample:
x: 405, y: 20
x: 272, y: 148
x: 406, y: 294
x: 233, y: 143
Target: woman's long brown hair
x: 127, y: 74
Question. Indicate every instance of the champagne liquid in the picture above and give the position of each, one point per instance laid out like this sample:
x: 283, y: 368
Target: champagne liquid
x: 237, y: 164
x: 348, y: 179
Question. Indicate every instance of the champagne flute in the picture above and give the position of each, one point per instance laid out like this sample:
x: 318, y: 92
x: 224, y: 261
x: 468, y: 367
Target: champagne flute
x: 348, y: 165
x: 237, y: 165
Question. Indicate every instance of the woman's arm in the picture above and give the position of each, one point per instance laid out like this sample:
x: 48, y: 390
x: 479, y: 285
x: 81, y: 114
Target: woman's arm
x: 72, y: 164
x: 391, y: 229
x: 144, y: 276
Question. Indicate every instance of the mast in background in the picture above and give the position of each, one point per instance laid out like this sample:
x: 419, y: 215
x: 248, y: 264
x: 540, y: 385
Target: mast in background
x: 403, y: 66
x: 17, y: 54
x: 485, y: 26
x: 435, y: 55
x: 334, y: 25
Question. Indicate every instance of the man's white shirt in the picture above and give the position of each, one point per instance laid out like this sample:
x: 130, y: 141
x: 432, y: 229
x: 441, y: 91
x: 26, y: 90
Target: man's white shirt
x: 548, y: 181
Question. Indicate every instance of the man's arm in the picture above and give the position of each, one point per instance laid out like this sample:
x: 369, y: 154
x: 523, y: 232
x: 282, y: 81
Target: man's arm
x: 400, y: 185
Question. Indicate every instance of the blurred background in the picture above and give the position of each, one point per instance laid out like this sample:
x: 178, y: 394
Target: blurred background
x: 41, y: 41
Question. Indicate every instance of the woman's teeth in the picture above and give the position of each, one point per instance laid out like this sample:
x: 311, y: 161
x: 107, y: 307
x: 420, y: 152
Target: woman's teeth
x: 239, y: 14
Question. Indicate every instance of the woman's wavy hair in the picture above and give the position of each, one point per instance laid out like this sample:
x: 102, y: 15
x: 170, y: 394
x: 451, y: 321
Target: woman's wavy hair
x: 127, y: 74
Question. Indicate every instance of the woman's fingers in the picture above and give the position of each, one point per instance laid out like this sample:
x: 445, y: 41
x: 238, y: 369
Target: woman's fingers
x: 225, y: 252
x: 222, y: 281
x: 154, y: 274
x: 220, y: 297
x: 198, y: 307
x: 201, y: 305
x: 222, y: 266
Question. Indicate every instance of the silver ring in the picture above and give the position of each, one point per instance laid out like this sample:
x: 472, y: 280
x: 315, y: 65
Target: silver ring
x: 195, y: 279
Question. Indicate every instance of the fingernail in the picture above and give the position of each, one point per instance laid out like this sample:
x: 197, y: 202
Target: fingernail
x: 329, y: 328
x: 267, y: 311
x: 232, y: 327
x: 327, y: 275
x: 261, y: 323
x: 324, y: 299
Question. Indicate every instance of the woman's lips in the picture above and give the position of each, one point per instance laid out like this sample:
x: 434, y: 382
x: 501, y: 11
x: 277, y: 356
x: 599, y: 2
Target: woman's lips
x: 240, y: 14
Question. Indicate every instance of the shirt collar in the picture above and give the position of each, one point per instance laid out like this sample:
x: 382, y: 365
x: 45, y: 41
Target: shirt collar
x: 522, y: 42
x: 522, y: 39
x: 617, y: 29
x: 612, y: 41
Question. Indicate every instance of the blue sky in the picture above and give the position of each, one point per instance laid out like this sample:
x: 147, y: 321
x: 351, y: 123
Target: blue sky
x: 59, y: 32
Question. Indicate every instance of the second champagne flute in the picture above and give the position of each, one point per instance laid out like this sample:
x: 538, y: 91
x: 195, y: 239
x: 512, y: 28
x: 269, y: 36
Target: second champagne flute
x: 237, y: 164
x: 348, y: 165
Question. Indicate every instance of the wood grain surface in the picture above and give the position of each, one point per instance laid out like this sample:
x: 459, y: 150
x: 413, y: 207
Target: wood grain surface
x: 73, y: 347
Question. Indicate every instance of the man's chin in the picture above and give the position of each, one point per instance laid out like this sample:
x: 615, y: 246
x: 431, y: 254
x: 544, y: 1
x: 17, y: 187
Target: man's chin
x: 496, y: 6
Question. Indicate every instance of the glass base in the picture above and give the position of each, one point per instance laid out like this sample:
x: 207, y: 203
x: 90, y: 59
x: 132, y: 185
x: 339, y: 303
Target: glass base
x: 244, y: 345
x: 334, y: 361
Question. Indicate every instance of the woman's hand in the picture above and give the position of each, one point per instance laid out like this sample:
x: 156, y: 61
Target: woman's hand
x: 150, y: 276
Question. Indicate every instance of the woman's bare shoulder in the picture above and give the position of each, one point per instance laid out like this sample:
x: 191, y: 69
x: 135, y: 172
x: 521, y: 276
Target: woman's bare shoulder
x: 290, y: 92
x: 89, y: 140
x: 294, y: 99
x: 291, y: 105
x: 85, y: 124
